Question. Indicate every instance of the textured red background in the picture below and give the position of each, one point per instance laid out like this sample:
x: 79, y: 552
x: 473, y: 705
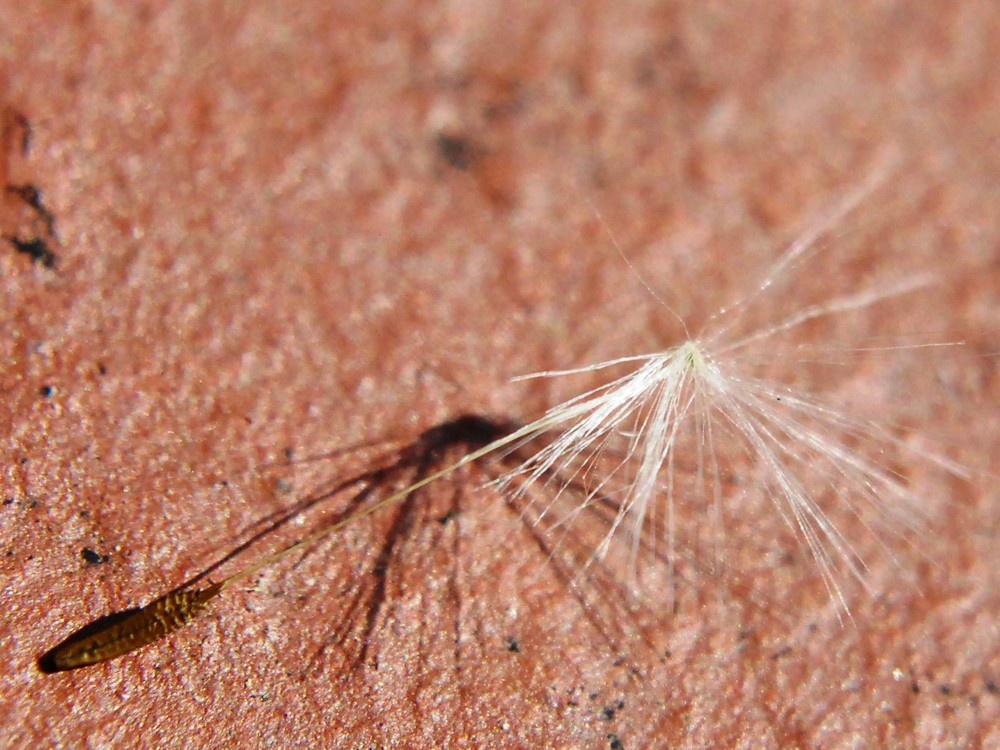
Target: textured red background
x: 309, y: 225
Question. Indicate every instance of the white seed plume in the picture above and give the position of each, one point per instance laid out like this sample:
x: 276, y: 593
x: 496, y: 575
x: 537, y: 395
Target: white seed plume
x: 674, y: 407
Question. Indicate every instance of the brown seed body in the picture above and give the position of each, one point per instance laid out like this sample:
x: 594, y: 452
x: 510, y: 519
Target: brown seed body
x: 133, y: 631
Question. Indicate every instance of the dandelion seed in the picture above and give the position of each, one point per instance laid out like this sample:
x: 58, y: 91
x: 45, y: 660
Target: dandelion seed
x: 698, y: 403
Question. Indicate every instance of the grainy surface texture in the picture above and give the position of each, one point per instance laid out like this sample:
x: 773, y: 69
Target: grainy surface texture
x: 260, y: 227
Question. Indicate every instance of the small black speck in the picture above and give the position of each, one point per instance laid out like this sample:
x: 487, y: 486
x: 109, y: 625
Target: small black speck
x: 513, y: 645
x: 84, y: 514
x: 92, y: 557
x: 102, y: 369
x: 915, y: 688
x: 36, y: 248
x: 945, y: 690
x: 25, y: 126
x: 456, y: 150
x: 46, y: 391
x: 8, y: 501
x: 781, y: 652
x: 992, y: 687
x: 29, y: 193
x: 32, y: 196
x: 614, y: 742
x: 289, y: 452
x: 447, y: 517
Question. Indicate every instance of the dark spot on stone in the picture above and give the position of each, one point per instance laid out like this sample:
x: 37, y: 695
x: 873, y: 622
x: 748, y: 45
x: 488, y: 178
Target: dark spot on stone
x: 32, y: 196
x: 513, y: 645
x: 29, y: 193
x: 93, y: 558
x: 781, y: 652
x: 456, y: 150
x: 35, y: 247
x: 25, y: 125
x: 447, y: 517
x: 608, y: 712
x: 45, y: 391
x: 614, y: 742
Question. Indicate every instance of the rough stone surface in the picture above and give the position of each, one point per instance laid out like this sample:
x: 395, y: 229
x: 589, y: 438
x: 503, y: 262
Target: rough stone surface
x: 270, y: 226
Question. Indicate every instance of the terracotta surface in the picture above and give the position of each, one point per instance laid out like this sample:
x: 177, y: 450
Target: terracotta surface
x: 303, y: 229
